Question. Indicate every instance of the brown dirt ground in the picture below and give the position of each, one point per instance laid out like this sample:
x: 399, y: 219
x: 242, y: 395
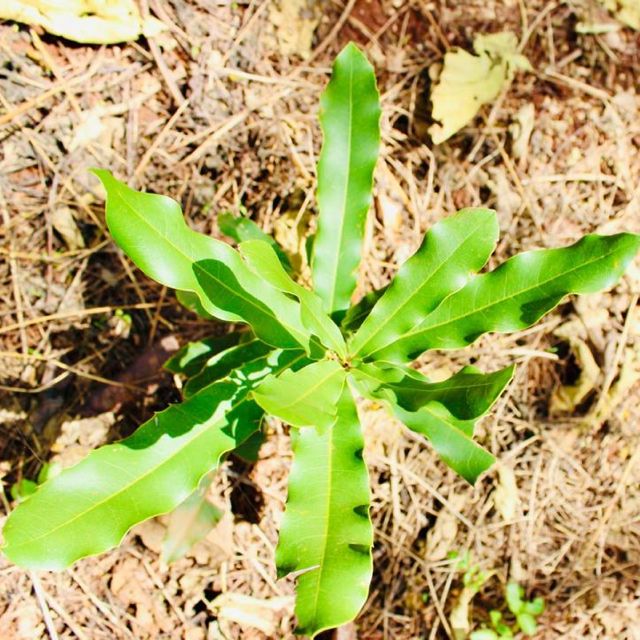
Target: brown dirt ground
x: 221, y: 117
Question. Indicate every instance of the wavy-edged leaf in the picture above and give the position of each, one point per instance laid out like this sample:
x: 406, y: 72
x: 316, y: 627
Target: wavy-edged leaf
x: 242, y: 229
x: 349, y: 116
x: 468, y: 394
x: 452, y: 251
x: 189, y: 523
x: 357, y: 313
x: 263, y: 260
x: 451, y: 437
x: 222, y: 364
x: 190, y: 359
x: 150, y: 229
x: 326, y: 532
x: 305, y: 397
x: 191, y: 301
x: 88, y: 508
x: 517, y: 294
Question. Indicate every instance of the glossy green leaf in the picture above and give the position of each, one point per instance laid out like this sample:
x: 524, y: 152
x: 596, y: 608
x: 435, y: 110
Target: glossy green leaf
x: 88, y: 508
x: 306, y: 397
x: 326, y: 533
x: 189, y: 523
x: 150, y: 229
x: 242, y: 229
x: 190, y: 359
x: 264, y: 261
x: 517, y: 294
x: 451, y: 437
x: 222, y: 364
x: 357, y: 313
x: 452, y: 251
x: 349, y: 116
x: 191, y: 301
x: 468, y: 394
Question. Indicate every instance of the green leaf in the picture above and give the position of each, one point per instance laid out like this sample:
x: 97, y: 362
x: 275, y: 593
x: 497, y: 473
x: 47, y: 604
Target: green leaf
x: 357, y: 313
x: 190, y: 300
x: 451, y: 437
x: 535, y: 607
x: 150, y: 229
x: 326, y: 533
x: 242, y: 229
x: 483, y: 634
x: 263, y: 260
x: 527, y: 623
x: 452, y: 251
x: 190, y: 359
x: 349, y: 116
x: 306, y: 397
x: 88, y: 508
x: 517, y: 294
x: 513, y: 595
x: 189, y: 523
x: 222, y: 364
x: 468, y: 394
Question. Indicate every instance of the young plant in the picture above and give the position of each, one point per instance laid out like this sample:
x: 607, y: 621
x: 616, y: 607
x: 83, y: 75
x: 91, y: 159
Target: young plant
x: 308, y: 356
x: 525, y: 612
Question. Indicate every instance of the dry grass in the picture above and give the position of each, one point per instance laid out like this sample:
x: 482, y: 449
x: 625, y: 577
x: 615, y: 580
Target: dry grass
x: 219, y: 118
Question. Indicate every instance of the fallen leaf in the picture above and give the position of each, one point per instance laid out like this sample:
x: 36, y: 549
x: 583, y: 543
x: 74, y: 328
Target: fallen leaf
x: 444, y: 531
x: 468, y: 81
x: 566, y: 398
x: 627, y: 11
x: 294, y: 22
x: 628, y: 376
x: 87, y: 21
x: 256, y: 613
x: 188, y: 524
x: 521, y: 129
x: 505, y: 497
x: 65, y: 224
x: 460, y: 617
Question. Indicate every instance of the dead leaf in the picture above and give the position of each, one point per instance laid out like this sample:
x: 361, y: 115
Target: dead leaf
x: 628, y: 376
x: 188, y: 524
x: 566, y: 398
x: 521, y: 129
x: 444, y: 531
x: 505, y: 497
x: 460, y: 617
x: 247, y: 611
x: 627, y: 11
x: 468, y: 81
x: 87, y: 21
x: 294, y: 22
x: 65, y: 224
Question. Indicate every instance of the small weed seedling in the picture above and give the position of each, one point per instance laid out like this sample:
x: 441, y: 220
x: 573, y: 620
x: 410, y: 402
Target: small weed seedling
x: 525, y: 612
x: 306, y: 357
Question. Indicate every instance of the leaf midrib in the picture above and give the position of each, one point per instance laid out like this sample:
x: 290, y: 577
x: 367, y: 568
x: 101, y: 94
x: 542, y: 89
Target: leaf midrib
x: 338, y: 253
x: 502, y: 299
x: 147, y: 473
x: 309, y: 390
x: 294, y: 332
x: 327, y: 527
x: 411, y: 297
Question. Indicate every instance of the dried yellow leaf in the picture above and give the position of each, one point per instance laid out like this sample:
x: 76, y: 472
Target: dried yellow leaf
x: 627, y: 11
x: 468, y: 81
x: 86, y: 21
